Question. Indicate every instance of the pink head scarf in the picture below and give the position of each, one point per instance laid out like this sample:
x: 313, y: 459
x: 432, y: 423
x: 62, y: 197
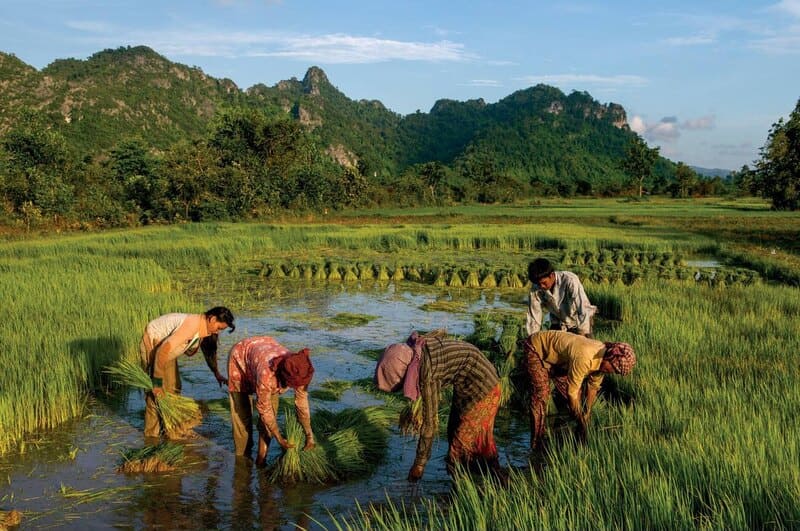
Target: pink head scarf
x: 399, y: 364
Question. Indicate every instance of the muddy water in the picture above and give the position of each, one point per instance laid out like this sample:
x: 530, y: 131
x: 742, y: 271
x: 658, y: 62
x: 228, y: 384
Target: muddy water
x: 66, y: 478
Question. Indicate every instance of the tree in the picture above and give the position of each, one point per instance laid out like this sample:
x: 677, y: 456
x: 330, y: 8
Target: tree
x: 685, y: 180
x: 777, y: 174
x: 639, y: 161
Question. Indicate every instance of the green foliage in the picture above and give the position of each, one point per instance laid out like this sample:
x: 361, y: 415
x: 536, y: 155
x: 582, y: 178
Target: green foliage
x: 639, y: 161
x: 777, y: 175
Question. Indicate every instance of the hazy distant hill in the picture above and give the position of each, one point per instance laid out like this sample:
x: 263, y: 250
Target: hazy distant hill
x: 534, y: 135
x: 711, y: 172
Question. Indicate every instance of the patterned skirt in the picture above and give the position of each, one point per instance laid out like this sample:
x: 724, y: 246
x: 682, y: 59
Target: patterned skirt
x: 473, y: 438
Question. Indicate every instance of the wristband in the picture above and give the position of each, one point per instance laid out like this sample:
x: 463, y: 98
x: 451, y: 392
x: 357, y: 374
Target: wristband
x: 157, y: 382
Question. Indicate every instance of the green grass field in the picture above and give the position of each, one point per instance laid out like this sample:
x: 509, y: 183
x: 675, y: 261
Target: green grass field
x: 711, y: 440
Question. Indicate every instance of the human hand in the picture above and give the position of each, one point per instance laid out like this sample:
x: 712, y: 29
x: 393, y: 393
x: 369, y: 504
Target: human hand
x: 415, y: 474
x: 158, y: 392
x: 285, y: 444
x: 221, y: 380
x: 310, y: 444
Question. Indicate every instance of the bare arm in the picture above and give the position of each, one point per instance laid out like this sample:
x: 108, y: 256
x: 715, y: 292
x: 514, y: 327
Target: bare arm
x: 303, y: 413
x: 209, y: 347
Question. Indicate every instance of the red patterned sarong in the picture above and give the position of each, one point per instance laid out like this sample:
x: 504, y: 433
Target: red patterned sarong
x: 473, y: 439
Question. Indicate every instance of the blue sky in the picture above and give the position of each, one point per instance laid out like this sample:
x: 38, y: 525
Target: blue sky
x: 704, y: 80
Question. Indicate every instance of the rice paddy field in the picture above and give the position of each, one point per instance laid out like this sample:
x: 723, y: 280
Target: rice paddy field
x: 702, y: 435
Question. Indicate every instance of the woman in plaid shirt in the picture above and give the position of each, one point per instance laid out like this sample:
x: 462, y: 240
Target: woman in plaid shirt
x: 422, y: 367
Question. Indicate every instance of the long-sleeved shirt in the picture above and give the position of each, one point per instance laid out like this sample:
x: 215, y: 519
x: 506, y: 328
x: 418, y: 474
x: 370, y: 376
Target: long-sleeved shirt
x: 570, y: 359
x: 450, y: 362
x: 252, y: 364
x: 567, y: 303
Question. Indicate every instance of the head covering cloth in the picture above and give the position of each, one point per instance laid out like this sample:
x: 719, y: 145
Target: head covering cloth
x: 296, y: 369
x: 399, y: 364
x: 621, y: 357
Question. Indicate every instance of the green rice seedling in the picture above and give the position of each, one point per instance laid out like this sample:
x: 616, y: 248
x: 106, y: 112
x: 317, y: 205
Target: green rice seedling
x: 578, y: 257
x: 292, y: 271
x: 398, y: 273
x: 441, y: 280
x: 296, y: 465
x: 276, y: 272
x: 452, y: 306
x: 264, y: 271
x: 179, y: 413
x: 331, y: 390
x: 410, y: 419
x: 365, y: 272
x: 484, y: 331
x: 383, y: 273
x: 413, y: 274
x: 590, y: 257
x: 473, y: 281
x: 504, y: 371
x: 349, y: 274
x: 604, y: 256
x: 489, y: 280
x: 509, y: 335
x: 319, y: 272
x: 371, y: 353
x: 334, y: 274
x: 162, y: 457
x: 503, y: 282
x: 567, y: 260
x: 307, y: 272
x: 514, y: 281
x: 347, y: 319
x: 455, y: 280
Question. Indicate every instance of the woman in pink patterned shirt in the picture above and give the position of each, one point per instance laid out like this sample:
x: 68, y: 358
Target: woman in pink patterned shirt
x: 263, y: 366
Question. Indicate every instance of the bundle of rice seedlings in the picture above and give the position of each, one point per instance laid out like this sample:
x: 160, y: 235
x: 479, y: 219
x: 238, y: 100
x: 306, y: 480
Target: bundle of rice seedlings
x: 350, y: 275
x: 473, y: 281
x: 398, y: 273
x: 413, y: 274
x: 410, y: 420
x: 296, y: 465
x: 294, y: 272
x: 455, y: 280
x: 178, y: 413
x: 567, y: 260
x: 509, y: 335
x: 10, y: 519
x: 589, y: 257
x: 162, y: 457
x: 307, y: 272
x: 514, y: 281
x: 331, y: 390
x: 365, y: 272
x: 440, y: 280
x: 333, y: 272
x: 319, y: 272
x: 604, y: 256
x: 264, y: 271
x: 489, y: 281
x: 383, y: 272
x: 618, y: 258
x: 276, y: 271
x: 507, y: 388
x: 644, y: 258
x: 484, y: 331
x: 503, y: 282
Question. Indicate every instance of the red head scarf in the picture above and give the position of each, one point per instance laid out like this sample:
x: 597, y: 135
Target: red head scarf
x: 296, y: 369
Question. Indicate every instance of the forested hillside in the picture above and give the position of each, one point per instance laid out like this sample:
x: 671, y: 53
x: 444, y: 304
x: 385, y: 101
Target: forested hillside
x: 150, y: 139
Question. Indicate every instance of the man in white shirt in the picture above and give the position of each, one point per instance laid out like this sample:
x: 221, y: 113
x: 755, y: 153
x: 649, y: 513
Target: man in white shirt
x: 562, y: 295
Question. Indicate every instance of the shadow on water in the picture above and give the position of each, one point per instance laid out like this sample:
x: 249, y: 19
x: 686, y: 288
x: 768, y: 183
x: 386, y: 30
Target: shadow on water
x: 66, y: 478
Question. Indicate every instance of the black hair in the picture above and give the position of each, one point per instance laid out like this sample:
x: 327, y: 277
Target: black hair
x: 223, y: 315
x: 209, y: 345
x: 538, y: 269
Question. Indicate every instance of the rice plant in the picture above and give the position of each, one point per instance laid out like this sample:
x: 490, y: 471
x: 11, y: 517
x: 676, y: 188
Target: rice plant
x: 162, y: 457
x: 177, y: 412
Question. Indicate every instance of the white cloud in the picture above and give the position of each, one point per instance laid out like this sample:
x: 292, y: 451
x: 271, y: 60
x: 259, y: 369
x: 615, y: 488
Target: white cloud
x: 791, y: 7
x: 694, y: 40
x: 89, y: 26
x: 669, y: 128
x: 787, y: 42
x: 586, y: 79
x: 704, y: 122
x: 330, y: 48
x: 483, y: 83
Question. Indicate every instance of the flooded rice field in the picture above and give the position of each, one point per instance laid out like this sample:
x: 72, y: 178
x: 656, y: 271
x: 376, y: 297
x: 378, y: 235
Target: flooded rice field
x: 66, y: 478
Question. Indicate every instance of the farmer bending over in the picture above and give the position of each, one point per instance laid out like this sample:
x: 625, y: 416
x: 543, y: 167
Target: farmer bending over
x: 422, y: 367
x: 263, y: 366
x: 569, y: 360
x: 164, y: 340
